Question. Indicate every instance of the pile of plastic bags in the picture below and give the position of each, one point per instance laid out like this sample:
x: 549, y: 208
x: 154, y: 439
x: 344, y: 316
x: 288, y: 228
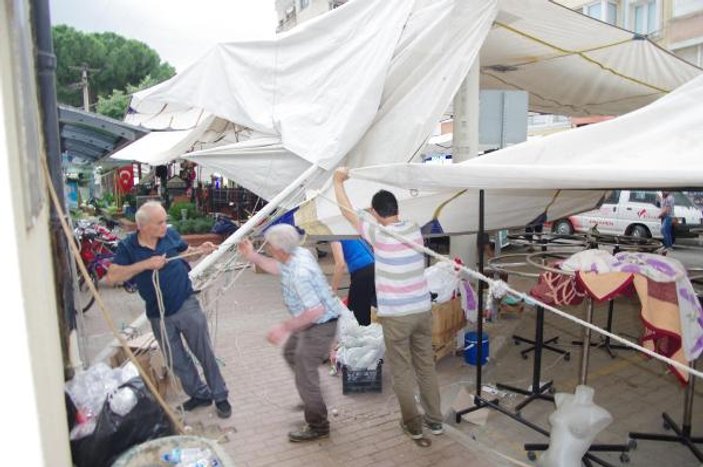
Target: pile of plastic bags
x: 360, y: 347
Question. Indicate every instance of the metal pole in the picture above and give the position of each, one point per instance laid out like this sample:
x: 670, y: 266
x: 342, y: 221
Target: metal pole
x: 233, y: 239
x: 46, y: 77
x: 586, y: 346
x: 479, y: 327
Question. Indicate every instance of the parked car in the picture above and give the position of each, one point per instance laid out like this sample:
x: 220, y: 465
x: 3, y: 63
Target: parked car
x: 634, y: 213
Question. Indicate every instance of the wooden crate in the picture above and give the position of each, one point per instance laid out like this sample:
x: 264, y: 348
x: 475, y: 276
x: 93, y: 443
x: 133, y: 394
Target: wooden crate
x: 447, y: 319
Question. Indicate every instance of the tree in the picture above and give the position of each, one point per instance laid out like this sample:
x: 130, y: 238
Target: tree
x: 114, y: 62
x: 115, y: 105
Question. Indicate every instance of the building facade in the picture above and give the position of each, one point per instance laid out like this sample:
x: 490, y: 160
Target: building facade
x: 293, y: 12
x: 676, y: 25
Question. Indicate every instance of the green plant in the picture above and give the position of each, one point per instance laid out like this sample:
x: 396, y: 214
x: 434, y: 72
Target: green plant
x: 192, y: 226
x: 175, y: 210
x: 112, y: 210
x: 130, y: 199
x: 203, y: 225
x: 106, y: 200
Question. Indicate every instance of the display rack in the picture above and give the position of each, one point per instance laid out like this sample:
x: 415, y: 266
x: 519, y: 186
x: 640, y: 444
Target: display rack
x: 682, y: 433
x: 618, y: 243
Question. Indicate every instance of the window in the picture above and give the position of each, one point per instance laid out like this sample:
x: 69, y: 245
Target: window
x: 612, y: 13
x: 304, y: 4
x: 594, y: 11
x: 603, y: 10
x: 643, y: 197
x: 612, y: 198
x: 682, y: 200
x: 643, y: 18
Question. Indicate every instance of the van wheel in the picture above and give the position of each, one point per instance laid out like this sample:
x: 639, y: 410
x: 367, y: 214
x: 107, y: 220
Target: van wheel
x: 639, y: 231
x: 563, y: 227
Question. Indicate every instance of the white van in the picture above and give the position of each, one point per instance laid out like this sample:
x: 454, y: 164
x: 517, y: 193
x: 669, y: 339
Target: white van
x: 635, y: 213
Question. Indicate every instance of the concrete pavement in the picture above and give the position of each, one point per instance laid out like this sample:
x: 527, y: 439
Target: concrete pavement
x: 364, y: 427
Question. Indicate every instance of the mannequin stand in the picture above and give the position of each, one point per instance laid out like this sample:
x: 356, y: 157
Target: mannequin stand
x: 583, y: 376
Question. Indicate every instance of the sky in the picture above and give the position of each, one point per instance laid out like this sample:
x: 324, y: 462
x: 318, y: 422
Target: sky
x: 179, y: 30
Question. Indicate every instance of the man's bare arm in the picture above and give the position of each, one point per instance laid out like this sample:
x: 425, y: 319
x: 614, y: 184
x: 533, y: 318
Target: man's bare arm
x: 340, y: 176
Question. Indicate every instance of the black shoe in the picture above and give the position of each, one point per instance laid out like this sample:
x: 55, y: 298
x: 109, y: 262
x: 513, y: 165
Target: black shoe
x: 224, y: 410
x: 307, y: 434
x: 194, y: 403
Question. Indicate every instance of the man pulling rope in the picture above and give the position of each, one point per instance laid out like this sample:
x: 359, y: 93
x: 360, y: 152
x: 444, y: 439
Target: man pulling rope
x: 153, y: 248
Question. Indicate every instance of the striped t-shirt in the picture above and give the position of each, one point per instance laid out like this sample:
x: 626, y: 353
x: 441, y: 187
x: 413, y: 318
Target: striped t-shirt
x: 401, y: 287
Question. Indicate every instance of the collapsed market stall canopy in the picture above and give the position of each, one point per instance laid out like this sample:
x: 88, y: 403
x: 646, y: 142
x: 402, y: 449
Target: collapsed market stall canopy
x: 364, y: 85
x: 657, y: 146
x: 569, y: 63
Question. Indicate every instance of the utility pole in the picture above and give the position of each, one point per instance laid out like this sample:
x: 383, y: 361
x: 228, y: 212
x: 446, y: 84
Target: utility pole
x: 84, y: 82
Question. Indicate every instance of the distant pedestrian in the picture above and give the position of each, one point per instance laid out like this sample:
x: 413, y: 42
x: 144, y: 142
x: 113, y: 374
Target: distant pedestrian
x: 666, y: 215
x: 356, y: 256
x: 309, y: 333
x: 404, y: 307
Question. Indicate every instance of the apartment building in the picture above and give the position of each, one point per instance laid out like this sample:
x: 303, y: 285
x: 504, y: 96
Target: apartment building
x: 676, y: 25
x: 293, y: 12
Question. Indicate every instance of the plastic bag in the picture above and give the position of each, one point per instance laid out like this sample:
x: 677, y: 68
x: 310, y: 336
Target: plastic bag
x: 442, y: 280
x: 89, y: 389
x: 115, y: 433
x: 360, y: 347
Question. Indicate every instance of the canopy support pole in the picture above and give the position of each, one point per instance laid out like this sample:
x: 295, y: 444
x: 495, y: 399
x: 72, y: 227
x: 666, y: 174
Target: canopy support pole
x: 465, y: 147
x: 245, y: 229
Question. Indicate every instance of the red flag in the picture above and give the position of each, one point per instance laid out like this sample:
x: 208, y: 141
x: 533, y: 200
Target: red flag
x: 125, y: 178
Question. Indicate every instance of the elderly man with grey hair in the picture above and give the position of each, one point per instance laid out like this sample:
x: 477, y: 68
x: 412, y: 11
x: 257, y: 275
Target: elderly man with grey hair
x: 155, y: 247
x: 309, y: 333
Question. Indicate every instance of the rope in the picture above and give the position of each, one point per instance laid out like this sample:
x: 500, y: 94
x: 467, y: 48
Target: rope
x: 498, y: 286
x: 101, y: 305
x: 165, y: 342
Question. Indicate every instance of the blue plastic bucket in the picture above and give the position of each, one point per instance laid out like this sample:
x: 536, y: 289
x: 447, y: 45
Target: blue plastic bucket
x: 471, y: 348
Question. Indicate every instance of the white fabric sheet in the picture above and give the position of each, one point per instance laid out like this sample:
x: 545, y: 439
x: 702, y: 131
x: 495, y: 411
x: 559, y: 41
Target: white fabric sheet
x: 318, y: 87
x: 436, y: 49
x: 657, y: 146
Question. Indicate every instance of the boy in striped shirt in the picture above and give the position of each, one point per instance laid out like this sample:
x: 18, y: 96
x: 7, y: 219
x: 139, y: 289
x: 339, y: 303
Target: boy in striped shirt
x: 404, y: 306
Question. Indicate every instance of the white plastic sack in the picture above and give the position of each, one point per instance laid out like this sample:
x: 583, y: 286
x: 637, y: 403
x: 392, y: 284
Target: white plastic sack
x: 442, y: 280
x: 360, y: 347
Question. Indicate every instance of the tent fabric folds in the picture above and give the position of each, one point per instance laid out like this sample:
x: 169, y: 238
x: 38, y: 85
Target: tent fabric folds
x: 574, y: 65
x: 655, y: 147
x: 365, y: 84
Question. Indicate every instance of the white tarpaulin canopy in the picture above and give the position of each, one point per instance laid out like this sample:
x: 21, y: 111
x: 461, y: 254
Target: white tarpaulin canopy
x: 569, y: 64
x: 574, y: 65
x: 367, y: 82
x: 657, y: 146
x: 158, y: 147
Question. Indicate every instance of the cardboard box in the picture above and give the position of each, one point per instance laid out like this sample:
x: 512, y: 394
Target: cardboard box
x: 447, y: 319
x: 149, y: 357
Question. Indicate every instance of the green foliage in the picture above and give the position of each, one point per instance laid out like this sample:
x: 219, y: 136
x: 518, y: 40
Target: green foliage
x: 130, y: 199
x: 116, y: 104
x: 174, y: 211
x: 193, y: 226
x: 203, y: 225
x: 114, y: 64
x: 113, y: 210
